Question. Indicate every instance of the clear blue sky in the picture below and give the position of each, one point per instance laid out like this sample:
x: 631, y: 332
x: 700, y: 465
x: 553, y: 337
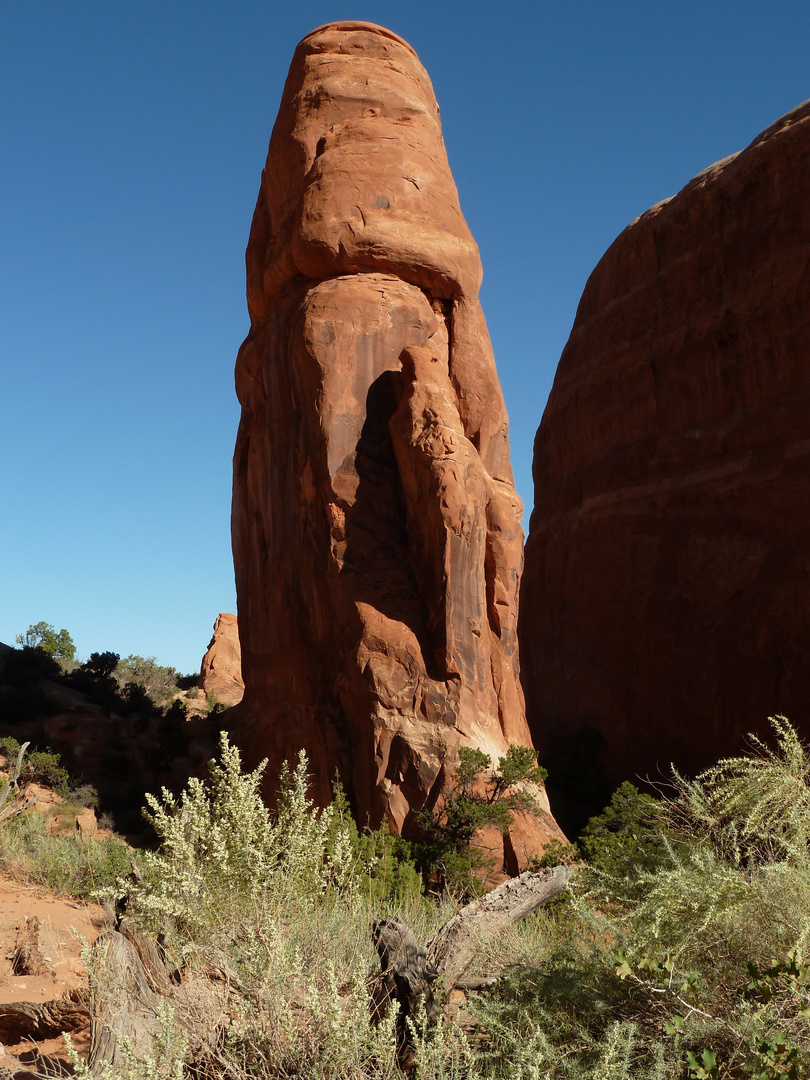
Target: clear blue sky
x: 133, y: 137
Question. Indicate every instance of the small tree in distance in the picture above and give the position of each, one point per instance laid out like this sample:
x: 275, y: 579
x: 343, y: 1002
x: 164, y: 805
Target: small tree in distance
x: 56, y: 644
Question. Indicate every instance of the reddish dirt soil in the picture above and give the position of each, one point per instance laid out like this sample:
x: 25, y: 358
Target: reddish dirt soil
x: 62, y: 926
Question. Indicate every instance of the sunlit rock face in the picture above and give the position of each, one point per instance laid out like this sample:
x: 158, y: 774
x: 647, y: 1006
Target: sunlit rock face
x: 376, y: 528
x: 221, y: 668
x: 666, y: 599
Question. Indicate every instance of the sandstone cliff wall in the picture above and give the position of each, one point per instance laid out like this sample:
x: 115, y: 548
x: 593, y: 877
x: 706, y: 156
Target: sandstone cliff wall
x: 666, y: 599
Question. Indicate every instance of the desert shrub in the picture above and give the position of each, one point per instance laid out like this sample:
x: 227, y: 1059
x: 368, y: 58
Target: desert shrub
x: 9, y: 748
x: 386, y: 862
x: 681, y: 955
x: 137, y: 697
x: 42, y: 766
x: 629, y: 834
x: 476, y: 797
x: 220, y: 848
x: 84, y: 795
x: 284, y: 903
x: 158, y: 682
x: 67, y: 865
x: 557, y: 853
x: 46, y: 768
x: 213, y: 704
x: 689, y: 957
x: 101, y: 664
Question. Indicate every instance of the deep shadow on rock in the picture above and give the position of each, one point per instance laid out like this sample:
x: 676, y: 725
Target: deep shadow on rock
x: 666, y: 597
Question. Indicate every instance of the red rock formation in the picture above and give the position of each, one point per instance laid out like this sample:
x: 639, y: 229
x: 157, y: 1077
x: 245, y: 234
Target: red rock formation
x: 376, y: 531
x: 221, y: 668
x: 666, y: 598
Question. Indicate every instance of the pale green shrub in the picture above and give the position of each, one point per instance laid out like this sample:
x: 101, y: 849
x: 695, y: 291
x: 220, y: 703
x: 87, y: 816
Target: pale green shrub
x: 221, y: 849
x: 691, y: 966
x: 688, y: 966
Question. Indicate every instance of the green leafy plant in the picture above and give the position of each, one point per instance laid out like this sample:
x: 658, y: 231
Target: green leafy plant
x: 46, y: 768
x: 40, y: 766
x: 57, y: 644
x: 478, y: 796
x: 628, y: 835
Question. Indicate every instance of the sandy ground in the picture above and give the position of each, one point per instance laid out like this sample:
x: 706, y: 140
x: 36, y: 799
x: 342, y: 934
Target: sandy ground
x: 64, y: 927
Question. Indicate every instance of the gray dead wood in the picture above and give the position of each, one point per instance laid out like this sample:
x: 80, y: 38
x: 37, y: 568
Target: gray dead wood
x: 14, y: 798
x: 451, y: 951
x: 130, y: 991
x: 125, y: 1003
x: 406, y: 977
x: 132, y: 982
x: 46, y: 1020
x: 409, y: 969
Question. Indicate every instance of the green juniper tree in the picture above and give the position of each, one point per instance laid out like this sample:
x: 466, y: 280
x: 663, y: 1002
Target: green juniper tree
x: 477, y: 797
x: 56, y: 644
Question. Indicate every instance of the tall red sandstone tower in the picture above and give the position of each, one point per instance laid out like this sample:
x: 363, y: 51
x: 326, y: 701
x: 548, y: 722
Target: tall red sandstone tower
x: 376, y: 528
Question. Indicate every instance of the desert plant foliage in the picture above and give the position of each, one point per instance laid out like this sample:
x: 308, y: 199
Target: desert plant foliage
x: 681, y: 954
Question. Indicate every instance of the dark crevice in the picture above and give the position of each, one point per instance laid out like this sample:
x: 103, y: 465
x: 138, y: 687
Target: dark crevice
x: 377, y: 553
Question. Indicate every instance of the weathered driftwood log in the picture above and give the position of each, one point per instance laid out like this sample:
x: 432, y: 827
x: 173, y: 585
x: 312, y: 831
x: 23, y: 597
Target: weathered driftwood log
x: 46, y: 1020
x: 406, y: 977
x: 128, y: 1005
x: 133, y: 984
x: 16, y: 797
x: 132, y: 989
x: 409, y: 969
x: 451, y: 951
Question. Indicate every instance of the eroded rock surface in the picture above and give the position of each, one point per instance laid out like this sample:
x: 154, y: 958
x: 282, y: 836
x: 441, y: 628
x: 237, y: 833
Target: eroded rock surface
x: 666, y: 598
x: 221, y: 668
x: 376, y: 528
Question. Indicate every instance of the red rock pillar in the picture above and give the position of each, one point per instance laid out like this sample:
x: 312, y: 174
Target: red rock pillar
x: 376, y: 530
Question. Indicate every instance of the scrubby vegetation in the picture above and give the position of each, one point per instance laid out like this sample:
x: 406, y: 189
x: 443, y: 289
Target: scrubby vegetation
x: 681, y: 953
x: 45, y: 848
x: 139, y: 738
x: 103, y: 675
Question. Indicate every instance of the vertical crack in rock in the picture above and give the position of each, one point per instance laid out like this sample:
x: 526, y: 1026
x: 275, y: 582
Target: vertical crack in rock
x: 376, y: 529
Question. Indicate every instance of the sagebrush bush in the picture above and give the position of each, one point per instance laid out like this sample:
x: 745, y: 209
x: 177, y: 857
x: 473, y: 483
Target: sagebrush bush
x: 284, y: 903
x: 687, y: 950
x: 680, y: 956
